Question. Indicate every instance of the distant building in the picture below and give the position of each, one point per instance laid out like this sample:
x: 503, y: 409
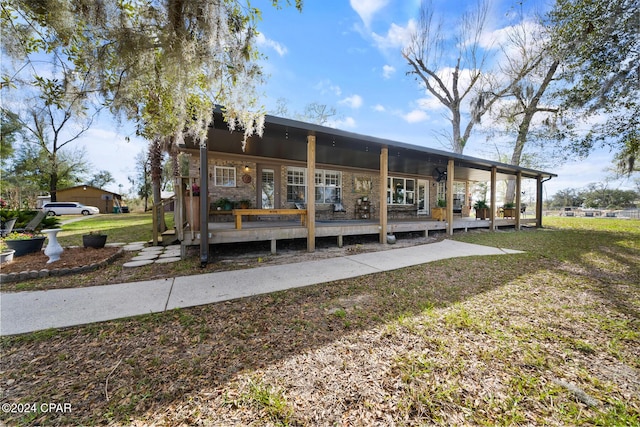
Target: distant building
x: 91, y: 196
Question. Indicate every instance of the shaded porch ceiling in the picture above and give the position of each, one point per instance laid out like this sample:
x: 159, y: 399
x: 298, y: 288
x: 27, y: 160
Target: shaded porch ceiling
x: 286, y: 139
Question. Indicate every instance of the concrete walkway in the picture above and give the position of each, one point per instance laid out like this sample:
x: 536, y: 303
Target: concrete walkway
x: 23, y: 312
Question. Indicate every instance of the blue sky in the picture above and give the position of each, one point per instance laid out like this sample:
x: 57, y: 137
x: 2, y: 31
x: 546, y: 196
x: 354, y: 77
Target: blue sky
x: 346, y: 54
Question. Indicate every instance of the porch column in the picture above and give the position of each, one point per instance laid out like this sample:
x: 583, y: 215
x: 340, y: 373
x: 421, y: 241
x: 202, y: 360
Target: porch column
x: 384, y: 173
x: 493, y: 198
x: 204, y: 204
x: 311, y: 193
x: 539, y: 201
x: 450, y: 172
x: 518, y: 198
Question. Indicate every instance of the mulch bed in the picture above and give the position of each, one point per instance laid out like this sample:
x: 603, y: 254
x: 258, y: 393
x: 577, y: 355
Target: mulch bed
x: 72, y: 259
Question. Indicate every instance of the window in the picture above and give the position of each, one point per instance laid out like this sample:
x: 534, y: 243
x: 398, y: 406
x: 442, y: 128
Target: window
x: 296, y: 185
x: 459, y: 194
x: 442, y: 191
x: 225, y: 176
x: 401, y: 191
x: 328, y: 186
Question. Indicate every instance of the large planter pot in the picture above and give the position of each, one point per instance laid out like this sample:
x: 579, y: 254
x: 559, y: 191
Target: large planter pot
x: 509, y: 212
x: 7, y: 256
x: 94, y: 240
x: 439, y: 214
x: 53, y: 249
x: 25, y: 246
x: 482, y: 213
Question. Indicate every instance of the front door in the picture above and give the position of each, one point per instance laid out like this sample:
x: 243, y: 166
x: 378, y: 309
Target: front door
x: 423, y: 197
x: 267, y: 188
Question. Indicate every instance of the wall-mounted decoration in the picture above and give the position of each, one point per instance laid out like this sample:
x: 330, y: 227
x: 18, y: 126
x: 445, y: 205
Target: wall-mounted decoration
x: 362, y: 184
x: 246, y: 178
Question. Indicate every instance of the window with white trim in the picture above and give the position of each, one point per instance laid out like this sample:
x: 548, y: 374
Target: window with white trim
x: 401, y: 191
x: 328, y: 186
x: 225, y: 176
x: 296, y: 185
x: 442, y: 191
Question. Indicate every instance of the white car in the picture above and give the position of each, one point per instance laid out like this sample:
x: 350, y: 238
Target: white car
x: 69, y: 208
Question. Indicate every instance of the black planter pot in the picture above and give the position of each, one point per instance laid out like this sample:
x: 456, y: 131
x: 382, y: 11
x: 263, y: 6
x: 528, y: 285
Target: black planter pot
x: 94, y: 240
x: 26, y: 246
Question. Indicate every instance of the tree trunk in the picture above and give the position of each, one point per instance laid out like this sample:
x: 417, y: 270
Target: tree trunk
x: 155, y: 159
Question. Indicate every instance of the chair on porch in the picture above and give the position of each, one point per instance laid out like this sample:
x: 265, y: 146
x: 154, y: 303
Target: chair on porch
x: 338, y: 209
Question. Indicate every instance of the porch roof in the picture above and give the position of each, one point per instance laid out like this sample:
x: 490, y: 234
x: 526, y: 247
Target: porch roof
x: 286, y: 139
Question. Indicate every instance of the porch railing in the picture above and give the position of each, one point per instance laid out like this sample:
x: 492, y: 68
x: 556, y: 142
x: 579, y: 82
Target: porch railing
x: 156, y: 210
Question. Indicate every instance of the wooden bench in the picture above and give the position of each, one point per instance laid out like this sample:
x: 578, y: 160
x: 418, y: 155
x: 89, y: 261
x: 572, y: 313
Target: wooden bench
x: 238, y: 213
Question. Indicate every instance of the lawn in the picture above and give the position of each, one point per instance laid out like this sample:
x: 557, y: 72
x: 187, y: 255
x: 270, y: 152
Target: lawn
x: 547, y: 337
x: 125, y: 228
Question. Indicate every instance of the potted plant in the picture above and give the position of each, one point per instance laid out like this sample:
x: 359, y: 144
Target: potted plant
x: 6, y: 255
x: 509, y: 210
x: 482, y: 209
x: 95, y: 239
x: 24, y: 243
x: 439, y: 213
x: 224, y: 204
x: 244, y: 204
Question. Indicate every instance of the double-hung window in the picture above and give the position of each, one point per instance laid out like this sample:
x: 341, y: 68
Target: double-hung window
x: 328, y: 186
x: 296, y: 185
x: 225, y: 176
x: 401, y: 191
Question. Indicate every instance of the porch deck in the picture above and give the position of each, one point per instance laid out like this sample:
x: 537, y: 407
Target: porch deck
x: 274, y: 230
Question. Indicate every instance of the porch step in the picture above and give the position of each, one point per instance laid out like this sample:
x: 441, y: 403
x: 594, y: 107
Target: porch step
x: 167, y: 238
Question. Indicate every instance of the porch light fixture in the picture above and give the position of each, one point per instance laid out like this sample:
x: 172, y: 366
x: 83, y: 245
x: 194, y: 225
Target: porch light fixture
x: 246, y: 168
x: 84, y: 187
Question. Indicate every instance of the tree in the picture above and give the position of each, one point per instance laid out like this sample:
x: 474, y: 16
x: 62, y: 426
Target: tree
x: 57, y: 96
x: 458, y: 85
x: 600, y: 196
x: 141, y: 182
x: 568, y: 197
x: 11, y: 129
x: 531, y: 64
x: 314, y: 112
x: 101, y: 179
x: 600, y: 40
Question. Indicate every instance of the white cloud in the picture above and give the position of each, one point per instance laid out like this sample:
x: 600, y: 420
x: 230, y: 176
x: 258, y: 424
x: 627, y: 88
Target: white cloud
x: 415, y: 116
x: 354, y: 101
x: 325, y: 86
x: 429, y: 103
x: 379, y: 108
x: 346, y: 123
x: 387, y: 71
x: 261, y: 40
x: 396, y: 38
x: 367, y: 8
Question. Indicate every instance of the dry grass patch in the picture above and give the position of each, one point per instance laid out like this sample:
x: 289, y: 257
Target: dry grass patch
x: 549, y: 337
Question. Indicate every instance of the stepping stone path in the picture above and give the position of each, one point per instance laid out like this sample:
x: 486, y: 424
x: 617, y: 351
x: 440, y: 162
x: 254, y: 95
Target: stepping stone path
x: 151, y: 254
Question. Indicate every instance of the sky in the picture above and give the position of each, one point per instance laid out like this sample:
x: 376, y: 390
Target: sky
x: 346, y: 54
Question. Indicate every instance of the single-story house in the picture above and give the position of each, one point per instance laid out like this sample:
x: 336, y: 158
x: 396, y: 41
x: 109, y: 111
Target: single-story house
x: 91, y: 196
x: 302, y: 180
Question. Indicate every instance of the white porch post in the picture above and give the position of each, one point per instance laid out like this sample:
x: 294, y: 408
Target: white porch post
x: 311, y: 193
x: 384, y: 173
x: 493, y: 198
x: 450, y: 173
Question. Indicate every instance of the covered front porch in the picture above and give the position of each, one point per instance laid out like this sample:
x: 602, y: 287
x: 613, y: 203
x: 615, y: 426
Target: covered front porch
x: 304, y: 181
x: 277, y: 230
